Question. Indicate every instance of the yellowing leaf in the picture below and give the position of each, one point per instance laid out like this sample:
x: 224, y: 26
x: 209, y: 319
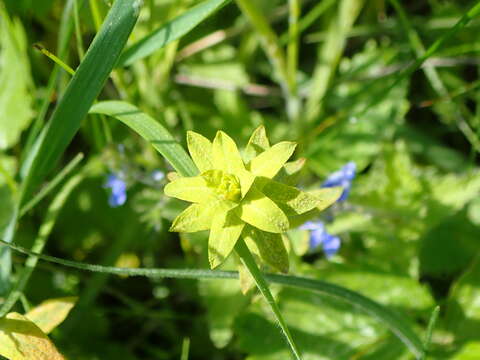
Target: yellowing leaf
x: 270, y: 247
x: 21, y: 339
x: 326, y: 196
x: 197, y: 217
x: 225, y: 154
x: 257, y: 144
x: 292, y: 201
x: 262, y: 213
x: 247, y: 282
x: 193, y: 189
x: 200, y: 149
x: 51, y: 313
x: 225, y: 231
x: 269, y: 162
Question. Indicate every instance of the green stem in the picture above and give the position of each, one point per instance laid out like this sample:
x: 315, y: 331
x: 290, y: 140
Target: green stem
x: 392, y: 320
x: 262, y: 285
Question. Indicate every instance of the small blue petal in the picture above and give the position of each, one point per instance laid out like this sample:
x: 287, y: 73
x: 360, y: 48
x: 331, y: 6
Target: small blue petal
x: 343, y: 178
x: 320, y: 237
x: 331, y: 245
x: 118, y: 189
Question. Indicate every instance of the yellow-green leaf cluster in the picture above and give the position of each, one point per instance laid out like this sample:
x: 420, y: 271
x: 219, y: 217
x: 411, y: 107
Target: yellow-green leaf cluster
x: 237, y: 197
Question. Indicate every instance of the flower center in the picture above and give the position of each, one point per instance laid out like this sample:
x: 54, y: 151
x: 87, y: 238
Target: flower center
x: 227, y: 186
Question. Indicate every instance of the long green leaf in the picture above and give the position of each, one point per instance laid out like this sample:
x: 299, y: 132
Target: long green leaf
x: 151, y: 130
x: 171, y: 31
x: 392, y: 320
x: 82, y: 90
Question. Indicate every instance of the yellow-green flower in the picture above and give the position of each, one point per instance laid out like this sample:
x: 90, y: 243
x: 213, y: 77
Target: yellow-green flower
x: 234, y: 197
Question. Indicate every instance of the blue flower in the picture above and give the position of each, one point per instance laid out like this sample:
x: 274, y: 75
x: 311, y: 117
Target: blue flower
x: 320, y: 237
x: 157, y: 175
x: 343, y: 178
x: 118, y: 187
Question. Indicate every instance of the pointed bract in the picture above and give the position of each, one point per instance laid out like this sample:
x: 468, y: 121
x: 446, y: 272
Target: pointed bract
x: 270, y: 246
x: 269, y: 162
x: 261, y: 212
x: 196, y: 217
x: 194, y: 189
x: 200, y: 148
x: 257, y: 143
x: 225, y: 154
x: 224, y: 233
x: 294, y: 201
x: 326, y: 196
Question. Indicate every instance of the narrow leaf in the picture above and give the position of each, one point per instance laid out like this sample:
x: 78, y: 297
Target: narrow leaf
x: 225, y: 231
x: 21, y: 339
x: 151, y: 130
x: 262, y: 213
x: 257, y: 143
x: 270, y: 247
x: 51, y: 313
x: 194, y: 189
x: 200, y: 149
x: 171, y: 31
x: 269, y: 162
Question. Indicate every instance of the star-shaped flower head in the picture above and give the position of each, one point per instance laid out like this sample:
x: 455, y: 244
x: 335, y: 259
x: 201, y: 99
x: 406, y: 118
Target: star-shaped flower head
x: 234, y: 197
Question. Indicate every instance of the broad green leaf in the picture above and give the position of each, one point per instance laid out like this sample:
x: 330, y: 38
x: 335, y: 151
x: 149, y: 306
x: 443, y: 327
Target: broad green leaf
x: 257, y: 143
x: 326, y: 196
x: 262, y: 213
x: 21, y: 339
x: 196, y: 217
x: 51, y: 313
x: 226, y: 156
x: 224, y: 233
x: 271, y: 161
x: 16, y: 90
x: 194, y: 189
x: 200, y: 149
x: 270, y: 247
x: 81, y: 92
x: 171, y: 31
x: 152, y: 131
x: 291, y: 200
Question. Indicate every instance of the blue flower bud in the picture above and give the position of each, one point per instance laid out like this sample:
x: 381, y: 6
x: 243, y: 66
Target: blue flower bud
x: 343, y: 178
x: 320, y: 237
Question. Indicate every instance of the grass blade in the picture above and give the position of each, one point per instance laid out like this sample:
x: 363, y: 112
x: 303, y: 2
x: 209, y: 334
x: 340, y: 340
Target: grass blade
x: 431, y: 326
x: 151, y: 130
x: 52, y: 184
x: 390, y: 319
x: 171, y: 31
x: 432, y: 49
x: 81, y: 92
x: 39, y: 244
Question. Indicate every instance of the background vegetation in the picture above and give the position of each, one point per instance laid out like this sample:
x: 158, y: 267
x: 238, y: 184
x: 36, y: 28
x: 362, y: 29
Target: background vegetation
x: 390, y: 85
